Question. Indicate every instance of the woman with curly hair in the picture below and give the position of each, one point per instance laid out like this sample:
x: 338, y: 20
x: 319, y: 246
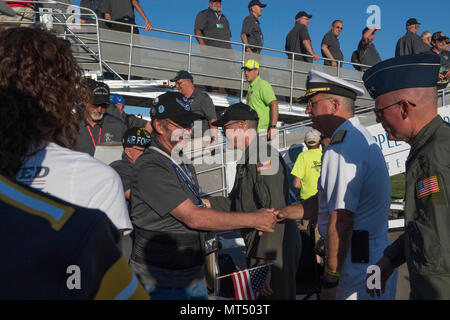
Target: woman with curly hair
x: 42, y: 100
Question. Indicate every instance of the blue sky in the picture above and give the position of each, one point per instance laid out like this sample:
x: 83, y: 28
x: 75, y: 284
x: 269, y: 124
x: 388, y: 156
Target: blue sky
x: 278, y: 19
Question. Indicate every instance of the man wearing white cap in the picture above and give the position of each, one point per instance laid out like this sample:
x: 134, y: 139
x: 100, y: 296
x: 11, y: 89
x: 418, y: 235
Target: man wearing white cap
x: 354, y: 191
x: 306, y: 170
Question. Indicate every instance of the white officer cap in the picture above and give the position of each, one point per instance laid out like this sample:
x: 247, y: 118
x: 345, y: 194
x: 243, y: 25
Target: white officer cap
x: 320, y: 82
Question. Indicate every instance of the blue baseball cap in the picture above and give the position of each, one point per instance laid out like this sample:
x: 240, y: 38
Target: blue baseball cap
x: 182, y: 74
x: 116, y: 98
x: 411, y: 71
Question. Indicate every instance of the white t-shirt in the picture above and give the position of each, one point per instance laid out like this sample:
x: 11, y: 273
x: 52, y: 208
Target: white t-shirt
x: 355, y: 177
x: 77, y: 178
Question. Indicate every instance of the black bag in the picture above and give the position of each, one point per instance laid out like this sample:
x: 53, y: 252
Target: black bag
x: 309, y: 272
x: 355, y: 59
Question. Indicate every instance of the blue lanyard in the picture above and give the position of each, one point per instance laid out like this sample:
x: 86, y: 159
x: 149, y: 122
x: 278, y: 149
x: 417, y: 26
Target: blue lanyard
x: 189, y: 185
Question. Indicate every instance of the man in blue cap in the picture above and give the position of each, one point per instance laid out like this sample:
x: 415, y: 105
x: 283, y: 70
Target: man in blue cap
x: 251, y: 30
x: 116, y: 108
x: 406, y: 106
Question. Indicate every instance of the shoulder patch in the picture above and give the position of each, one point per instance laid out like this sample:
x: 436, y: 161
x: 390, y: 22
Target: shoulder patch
x: 338, y: 137
x: 427, y: 187
x: 15, y: 195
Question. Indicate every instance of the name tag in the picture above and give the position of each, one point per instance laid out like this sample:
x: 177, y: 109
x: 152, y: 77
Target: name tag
x: 219, y: 26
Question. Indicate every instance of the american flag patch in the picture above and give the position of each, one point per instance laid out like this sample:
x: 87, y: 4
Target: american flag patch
x: 265, y: 165
x: 426, y: 187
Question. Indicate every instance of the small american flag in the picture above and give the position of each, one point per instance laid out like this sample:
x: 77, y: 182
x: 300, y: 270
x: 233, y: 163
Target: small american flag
x: 427, y: 187
x: 248, y: 282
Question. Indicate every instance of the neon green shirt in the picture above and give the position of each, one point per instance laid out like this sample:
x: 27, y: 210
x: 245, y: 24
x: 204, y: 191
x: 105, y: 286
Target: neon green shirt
x: 260, y: 95
x: 307, y: 168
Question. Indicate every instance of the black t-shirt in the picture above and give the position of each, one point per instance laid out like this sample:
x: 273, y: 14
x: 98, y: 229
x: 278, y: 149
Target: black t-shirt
x: 331, y: 40
x: 294, y: 41
x: 157, y: 189
x: 118, y: 9
x: 251, y: 27
x: 410, y: 43
x: 214, y: 26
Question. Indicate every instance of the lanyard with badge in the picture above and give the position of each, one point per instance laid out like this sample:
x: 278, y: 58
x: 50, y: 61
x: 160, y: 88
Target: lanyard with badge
x: 185, y: 175
x: 92, y: 138
x: 218, y: 24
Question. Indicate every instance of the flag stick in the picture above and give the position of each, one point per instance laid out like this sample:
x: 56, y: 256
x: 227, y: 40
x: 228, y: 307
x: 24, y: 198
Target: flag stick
x: 229, y: 275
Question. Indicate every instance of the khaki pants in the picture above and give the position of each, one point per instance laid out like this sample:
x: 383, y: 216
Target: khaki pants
x: 25, y: 14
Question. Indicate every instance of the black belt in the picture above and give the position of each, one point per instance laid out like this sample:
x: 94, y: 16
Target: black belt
x: 168, y: 250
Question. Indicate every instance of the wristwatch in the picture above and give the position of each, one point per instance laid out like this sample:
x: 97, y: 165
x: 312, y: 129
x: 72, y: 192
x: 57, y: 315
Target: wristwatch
x: 272, y: 126
x: 328, y: 284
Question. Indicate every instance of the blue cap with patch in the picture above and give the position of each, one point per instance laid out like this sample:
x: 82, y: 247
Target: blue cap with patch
x: 136, y: 137
x: 411, y: 71
x: 173, y: 106
x: 116, y: 98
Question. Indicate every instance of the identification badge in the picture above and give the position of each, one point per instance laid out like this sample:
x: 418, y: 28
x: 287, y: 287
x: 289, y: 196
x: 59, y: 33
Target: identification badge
x: 219, y: 26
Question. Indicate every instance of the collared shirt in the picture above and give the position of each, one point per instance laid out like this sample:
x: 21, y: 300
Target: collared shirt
x: 202, y: 104
x: 294, y: 41
x: 354, y: 177
x: 251, y: 27
x: 109, y: 129
x: 214, y: 26
x: 332, y: 41
x: 307, y: 168
x: 410, y: 43
x: 260, y: 95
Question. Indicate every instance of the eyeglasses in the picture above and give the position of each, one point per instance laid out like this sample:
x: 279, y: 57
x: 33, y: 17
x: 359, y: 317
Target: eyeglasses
x: 339, y: 27
x: 226, y: 127
x: 179, y: 83
x: 180, y: 126
x: 312, y: 104
x: 379, y: 113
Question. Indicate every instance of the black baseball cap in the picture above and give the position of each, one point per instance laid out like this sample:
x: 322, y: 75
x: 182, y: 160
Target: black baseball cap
x: 439, y: 36
x: 411, y: 22
x: 182, y: 74
x: 256, y: 3
x: 237, y: 111
x: 302, y: 14
x: 173, y: 106
x: 367, y: 28
x: 100, y: 91
x: 136, y: 137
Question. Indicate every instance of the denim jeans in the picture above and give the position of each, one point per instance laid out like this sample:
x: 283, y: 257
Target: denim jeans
x: 194, y: 292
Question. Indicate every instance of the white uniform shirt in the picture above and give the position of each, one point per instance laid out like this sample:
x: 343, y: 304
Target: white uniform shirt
x: 355, y: 177
x: 77, y: 178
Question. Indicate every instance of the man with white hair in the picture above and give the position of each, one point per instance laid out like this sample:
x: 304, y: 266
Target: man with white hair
x: 98, y: 126
x: 212, y: 23
x: 354, y: 191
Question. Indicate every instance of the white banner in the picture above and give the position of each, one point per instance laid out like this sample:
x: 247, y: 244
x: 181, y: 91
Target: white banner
x: 396, y: 152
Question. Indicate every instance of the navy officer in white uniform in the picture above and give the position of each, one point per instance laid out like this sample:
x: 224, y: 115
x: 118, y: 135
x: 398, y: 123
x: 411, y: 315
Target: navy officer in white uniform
x: 354, y: 191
